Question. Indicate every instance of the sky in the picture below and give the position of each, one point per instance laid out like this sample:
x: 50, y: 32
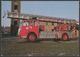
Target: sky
x: 61, y: 9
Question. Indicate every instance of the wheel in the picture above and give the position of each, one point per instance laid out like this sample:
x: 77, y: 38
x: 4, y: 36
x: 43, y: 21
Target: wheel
x: 65, y: 37
x: 32, y: 37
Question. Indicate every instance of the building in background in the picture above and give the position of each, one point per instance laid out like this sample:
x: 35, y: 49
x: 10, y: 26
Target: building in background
x: 15, y: 7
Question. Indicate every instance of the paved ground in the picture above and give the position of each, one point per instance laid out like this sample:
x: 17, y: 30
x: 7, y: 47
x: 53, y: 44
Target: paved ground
x: 11, y: 47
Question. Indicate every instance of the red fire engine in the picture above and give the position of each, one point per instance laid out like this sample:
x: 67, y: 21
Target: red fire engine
x: 34, y: 27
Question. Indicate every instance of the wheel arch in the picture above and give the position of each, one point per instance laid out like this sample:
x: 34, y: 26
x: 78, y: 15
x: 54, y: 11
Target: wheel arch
x: 32, y: 33
x: 65, y: 34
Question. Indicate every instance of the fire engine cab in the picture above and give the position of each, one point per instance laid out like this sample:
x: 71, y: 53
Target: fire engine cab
x: 33, y: 27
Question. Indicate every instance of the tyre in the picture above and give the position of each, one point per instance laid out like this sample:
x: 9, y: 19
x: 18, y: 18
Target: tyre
x: 32, y: 37
x: 65, y: 37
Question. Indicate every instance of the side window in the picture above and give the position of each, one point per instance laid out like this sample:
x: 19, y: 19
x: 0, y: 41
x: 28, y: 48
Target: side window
x: 69, y: 27
x: 46, y: 23
x: 20, y: 24
x: 27, y: 23
x: 37, y: 23
x: 32, y: 23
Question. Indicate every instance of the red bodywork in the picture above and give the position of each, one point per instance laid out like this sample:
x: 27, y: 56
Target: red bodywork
x: 25, y: 30
x: 34, y: 29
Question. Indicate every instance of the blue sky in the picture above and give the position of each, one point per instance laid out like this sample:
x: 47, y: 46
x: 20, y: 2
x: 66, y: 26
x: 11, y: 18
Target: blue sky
x: 62, y: 9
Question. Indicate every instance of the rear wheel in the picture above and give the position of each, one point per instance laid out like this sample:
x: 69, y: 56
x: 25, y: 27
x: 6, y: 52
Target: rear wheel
x: 65, y: 37
x: 32, y: 37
